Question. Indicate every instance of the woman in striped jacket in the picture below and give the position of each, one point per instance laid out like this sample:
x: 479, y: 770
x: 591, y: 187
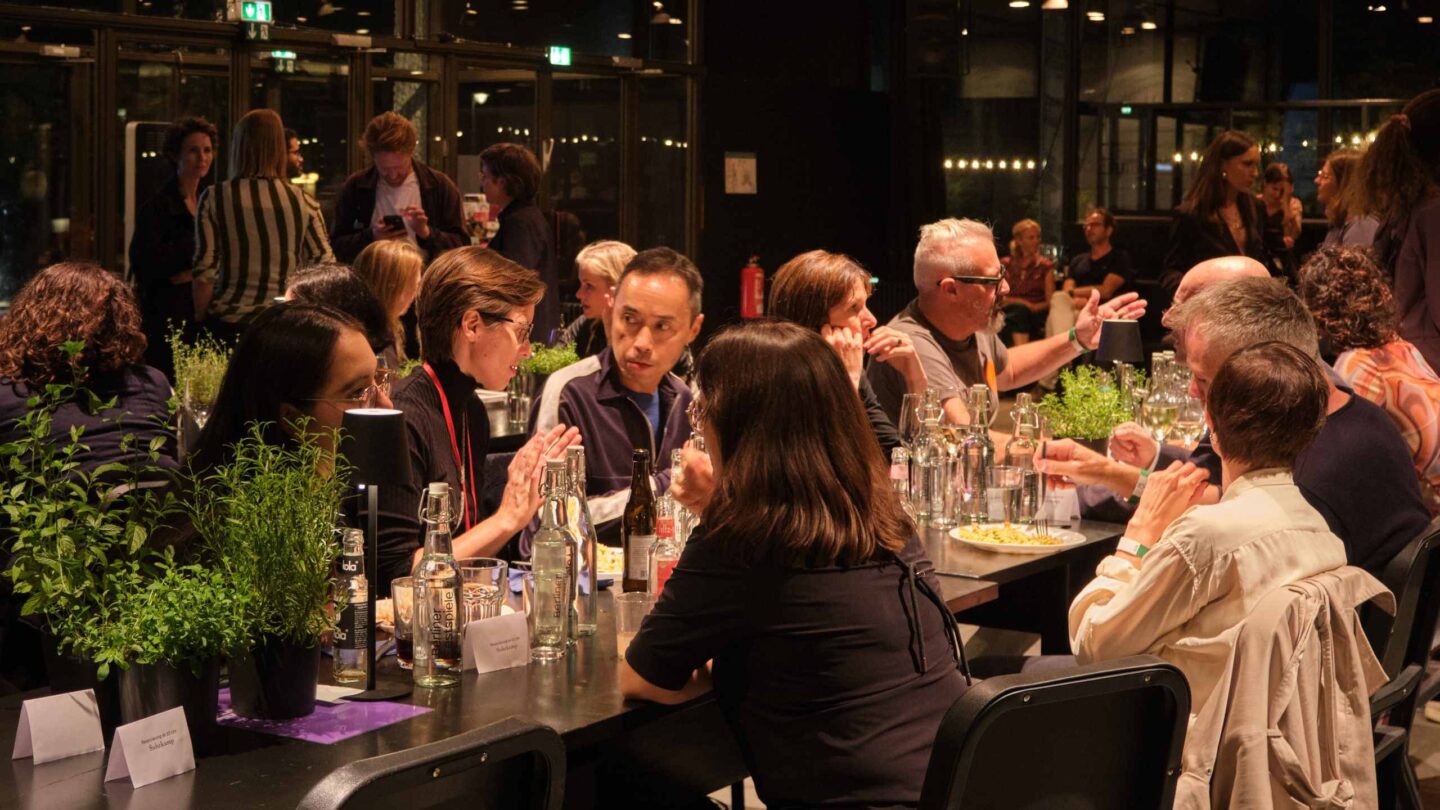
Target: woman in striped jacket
x: 253, y: 230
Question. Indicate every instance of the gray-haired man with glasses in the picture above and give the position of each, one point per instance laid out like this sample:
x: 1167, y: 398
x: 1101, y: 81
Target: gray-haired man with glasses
x: 959, y: 279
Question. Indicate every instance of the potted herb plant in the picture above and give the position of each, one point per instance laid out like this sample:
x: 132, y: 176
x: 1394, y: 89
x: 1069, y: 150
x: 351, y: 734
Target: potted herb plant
x: 78, y: 538
x: 1087, y: 408
x: 544, y: 361
x: 267, y: 521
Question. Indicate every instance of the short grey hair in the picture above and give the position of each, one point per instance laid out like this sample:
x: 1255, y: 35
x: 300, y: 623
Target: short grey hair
x: 1242, y: 312
x: 935, y: 257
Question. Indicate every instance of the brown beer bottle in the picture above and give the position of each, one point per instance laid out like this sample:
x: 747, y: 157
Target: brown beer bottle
x: 637, y: 528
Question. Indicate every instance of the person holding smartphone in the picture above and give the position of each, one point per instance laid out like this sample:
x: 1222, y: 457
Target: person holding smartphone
x: 398, y: 197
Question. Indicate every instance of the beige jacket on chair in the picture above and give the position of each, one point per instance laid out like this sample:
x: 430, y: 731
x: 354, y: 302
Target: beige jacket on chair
x: 1288, y: 725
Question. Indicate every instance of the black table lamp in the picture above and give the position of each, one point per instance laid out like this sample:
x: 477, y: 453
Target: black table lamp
x: 375, y: 444
x: 1120, y: 342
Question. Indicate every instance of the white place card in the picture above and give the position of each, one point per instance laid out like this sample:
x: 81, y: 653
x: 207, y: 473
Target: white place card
x: 497, y: 643
x: 1061, y: 506
x: 59, y: 726
x: 157, y: 747
x: 333, y: 695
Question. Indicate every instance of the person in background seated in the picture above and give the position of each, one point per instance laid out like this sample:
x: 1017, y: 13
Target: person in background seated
x: 826, y: 292
x: 1185, y: 575
x: 253, y: 230
x: 336, y: 286
x: 475, y: 309
x: 958, y: 281
x: 1031, y: 278
x: 1333, y: 190
x: 301, y: 367
x: 833, y: 654
x: 391, y: 269
x: 1352, y: 305
x: 162, y: 248
x: 627, y: 396
x: 397, y: 184
x: 1357, y: 473
x: 598, y: 265
x: 1103, y: 267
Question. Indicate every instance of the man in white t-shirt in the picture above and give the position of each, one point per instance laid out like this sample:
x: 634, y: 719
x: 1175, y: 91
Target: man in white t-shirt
x: 397, y: 185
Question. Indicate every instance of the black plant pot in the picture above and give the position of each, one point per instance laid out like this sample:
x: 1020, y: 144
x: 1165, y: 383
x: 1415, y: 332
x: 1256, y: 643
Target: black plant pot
x: 1101, y: 446
x: 275, y: 680
x: 147, y: 689
x: 68, y: 673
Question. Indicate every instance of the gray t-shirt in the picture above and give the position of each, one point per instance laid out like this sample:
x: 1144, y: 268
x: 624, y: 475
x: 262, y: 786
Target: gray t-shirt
x: 949, y: 364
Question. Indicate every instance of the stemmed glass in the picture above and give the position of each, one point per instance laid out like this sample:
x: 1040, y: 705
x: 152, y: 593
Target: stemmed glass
x: 910, y: 425
x: 200, y: 395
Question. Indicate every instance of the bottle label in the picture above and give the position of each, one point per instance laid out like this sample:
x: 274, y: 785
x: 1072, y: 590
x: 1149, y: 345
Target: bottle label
x: 350, y: 632
x: 637, y: 556
x: 665, y: 526
x: 663, y: 570
x: 899, y: 472
x: 351, y: 565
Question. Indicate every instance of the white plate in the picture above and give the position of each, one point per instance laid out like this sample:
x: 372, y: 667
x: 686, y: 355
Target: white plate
x: 1066, y: 537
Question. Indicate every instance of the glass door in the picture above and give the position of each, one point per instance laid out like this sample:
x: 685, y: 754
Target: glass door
x: 313, y: 100
x: 495, y: 105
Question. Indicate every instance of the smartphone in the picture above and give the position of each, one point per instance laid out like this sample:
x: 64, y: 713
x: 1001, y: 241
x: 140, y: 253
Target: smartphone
x: 394, y: 222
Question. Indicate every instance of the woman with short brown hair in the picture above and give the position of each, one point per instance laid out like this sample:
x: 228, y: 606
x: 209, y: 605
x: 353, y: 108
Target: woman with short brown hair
x: 476, y: 309
x: 253, y: 230
x: 834, y: 656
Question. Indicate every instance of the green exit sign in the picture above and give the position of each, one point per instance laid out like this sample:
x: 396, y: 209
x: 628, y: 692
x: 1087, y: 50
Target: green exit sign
x: 559, y: 55
x: 256, y: 11
x: 1125, y: 110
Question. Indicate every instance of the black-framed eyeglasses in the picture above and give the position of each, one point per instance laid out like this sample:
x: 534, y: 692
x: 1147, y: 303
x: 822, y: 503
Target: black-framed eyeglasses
x: 526, y: 327
x: 989, y: 281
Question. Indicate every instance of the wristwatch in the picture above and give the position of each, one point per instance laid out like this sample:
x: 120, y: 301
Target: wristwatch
x: 1076, y: 344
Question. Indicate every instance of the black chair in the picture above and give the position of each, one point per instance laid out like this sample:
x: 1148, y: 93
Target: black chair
x: 1100, y: 735
x: 1403, y: 643
x: 510, y: 764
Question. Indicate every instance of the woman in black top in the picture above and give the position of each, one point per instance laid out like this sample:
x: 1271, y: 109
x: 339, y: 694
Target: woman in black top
x: 475, y: 310
x: 510, y: 177
x: 336, y: 286
x: 1282, y: 214
x: 1219, y: 216
x: 826, y: 292
x: 162, y: 249
x: 834, y: 656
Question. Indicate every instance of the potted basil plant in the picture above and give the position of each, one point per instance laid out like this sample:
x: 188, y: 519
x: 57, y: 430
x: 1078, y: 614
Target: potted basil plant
x: 267, y: 522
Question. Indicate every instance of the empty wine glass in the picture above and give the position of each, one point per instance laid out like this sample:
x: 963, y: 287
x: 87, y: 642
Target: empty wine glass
x: 199, y: 399
x: 910, y: 424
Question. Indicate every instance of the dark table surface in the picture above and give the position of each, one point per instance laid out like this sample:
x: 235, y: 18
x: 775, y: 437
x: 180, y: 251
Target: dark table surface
x: 608, y: 742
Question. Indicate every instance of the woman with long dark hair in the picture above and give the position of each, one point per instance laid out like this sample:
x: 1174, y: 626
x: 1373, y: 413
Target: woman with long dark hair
x: 1397, y: 186
x: 299, y: 367
x: 834, y: 656
x: 1219, y: 216
x: 338, y: 287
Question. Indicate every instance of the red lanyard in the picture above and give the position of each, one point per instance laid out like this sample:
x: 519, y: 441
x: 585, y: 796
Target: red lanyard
x: 470, y: 505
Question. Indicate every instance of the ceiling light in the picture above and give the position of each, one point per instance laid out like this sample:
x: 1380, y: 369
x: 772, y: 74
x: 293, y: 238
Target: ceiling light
x: 302, y: 19
x: 1019, y: 3
x: 1425, y: 20
x: 623, y: 35
x: 480, y: 98
x: 362, y: 31
x: 362, y: 14
x: 1194, y: 156
x: 949, y: 164
x: 417, y: 73
x: 676, y: 21
x: 1095, y: 16
x: 1128, y: 30
x: 1055, y: 5
x: 1179, y: 158
x: 1148, y: 25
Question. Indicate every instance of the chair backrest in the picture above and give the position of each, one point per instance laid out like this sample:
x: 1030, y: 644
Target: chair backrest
x: 1413, y: 576
x: 1100, y: 735
x: 510, y: 764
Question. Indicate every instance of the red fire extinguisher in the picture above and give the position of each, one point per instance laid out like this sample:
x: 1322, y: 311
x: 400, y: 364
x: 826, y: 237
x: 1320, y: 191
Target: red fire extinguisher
x: 752, y: 289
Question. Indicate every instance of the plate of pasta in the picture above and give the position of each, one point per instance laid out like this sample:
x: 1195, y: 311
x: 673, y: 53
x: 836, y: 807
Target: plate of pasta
x: 1015, y: 539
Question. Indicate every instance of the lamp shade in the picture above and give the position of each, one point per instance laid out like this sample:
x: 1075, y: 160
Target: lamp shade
x: 376, y: 445
x: 1120, y: 342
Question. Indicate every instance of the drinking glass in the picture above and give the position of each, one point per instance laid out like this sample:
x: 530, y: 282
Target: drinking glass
x: 630, y: 611
x: 482, y: 588
x: 1032, y: 495
x: 910, y: 425
x: 199, y: 399
x: 1190, y: 421
x: 402, y: 595
x: 522, y: 576
x: 1004, y: 483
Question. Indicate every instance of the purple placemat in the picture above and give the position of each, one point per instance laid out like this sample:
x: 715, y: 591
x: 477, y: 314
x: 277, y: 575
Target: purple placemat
x: 327, y: 724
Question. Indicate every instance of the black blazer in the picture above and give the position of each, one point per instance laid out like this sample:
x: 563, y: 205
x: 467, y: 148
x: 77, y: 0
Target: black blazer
x: 525, y: 238
x: 1193, y: 240
x: 439, y: 196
